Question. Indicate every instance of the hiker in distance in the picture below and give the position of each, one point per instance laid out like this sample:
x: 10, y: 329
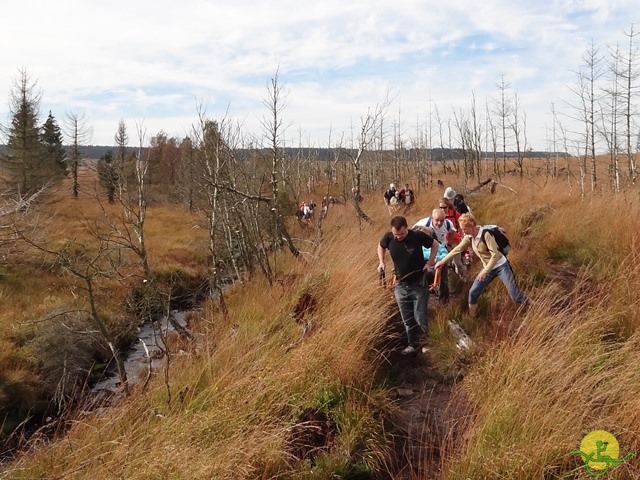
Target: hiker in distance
x: 410, y: 291
x: 495, y: 263
x: 388, y: 195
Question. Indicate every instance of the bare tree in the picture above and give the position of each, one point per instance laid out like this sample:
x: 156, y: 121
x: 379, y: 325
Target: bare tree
x: 127, y: 232
x: 503, y: 110
x: 214, y: 147
x: 138, y: 216
x: 519, y: 129
x: 90, y: 265
x: 477, y: 139
x: 629, y: 91
x: 593, y: 62
x: 586, y: 111
x: 336, y: 152
x: 465, y: 132
x: 187, y: 174
x: 610, y: 114
x: 554, y: 141
x: 366, y: 135
x: 492, y: 135
x: 441, y: 141
x: 77, y: 133
x: 274, y: 130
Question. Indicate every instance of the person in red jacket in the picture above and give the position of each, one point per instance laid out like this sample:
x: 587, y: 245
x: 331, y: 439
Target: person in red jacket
x: 452, y: 214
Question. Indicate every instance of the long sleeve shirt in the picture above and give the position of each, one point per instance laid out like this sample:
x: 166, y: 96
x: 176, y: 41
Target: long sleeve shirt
x: 487, y: 252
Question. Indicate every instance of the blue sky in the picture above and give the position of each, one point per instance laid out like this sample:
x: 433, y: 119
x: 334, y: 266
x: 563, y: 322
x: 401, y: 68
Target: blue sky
x: 151, y: 63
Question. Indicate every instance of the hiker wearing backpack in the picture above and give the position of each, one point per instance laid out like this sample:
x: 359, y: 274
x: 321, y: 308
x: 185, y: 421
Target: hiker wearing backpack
x: 491, y: 245
x: 410, y: 290
x: 444, y: 231
x: 461, y: 206
x: 453, y: 215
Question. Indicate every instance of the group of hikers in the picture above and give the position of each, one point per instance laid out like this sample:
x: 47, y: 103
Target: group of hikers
x: 396, y: 199
x: 447, y: 236
x: 306, y: 210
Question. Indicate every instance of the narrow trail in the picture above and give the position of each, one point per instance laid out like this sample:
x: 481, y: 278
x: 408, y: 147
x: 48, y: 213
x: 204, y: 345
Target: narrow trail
x: 432, y: 413
x: 428, y: 415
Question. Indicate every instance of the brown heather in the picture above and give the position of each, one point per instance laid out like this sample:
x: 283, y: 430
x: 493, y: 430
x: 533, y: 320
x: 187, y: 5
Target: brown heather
x: 537, y: 381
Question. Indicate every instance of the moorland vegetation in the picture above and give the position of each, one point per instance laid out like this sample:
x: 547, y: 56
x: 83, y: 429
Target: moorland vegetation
x: 270, y: 387
x: 288, y: 365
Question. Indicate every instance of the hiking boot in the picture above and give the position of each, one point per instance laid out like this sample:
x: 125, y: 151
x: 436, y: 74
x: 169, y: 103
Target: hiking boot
x: 409, y: 350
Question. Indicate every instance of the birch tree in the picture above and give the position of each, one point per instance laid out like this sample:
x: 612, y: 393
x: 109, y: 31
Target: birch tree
x: 363, y: 141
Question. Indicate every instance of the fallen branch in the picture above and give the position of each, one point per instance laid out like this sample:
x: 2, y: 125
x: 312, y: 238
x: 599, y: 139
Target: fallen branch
x: 463, y: 341
x: 480, y: 185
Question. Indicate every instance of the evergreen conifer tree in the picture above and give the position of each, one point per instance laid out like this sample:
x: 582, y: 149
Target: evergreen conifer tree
x: 23, y: 162
x: 54, y: 150
x: 108, y: 174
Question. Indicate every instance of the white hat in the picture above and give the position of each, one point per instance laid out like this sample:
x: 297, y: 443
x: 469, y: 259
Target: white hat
x: 392, y: 185
x: 449, y: 193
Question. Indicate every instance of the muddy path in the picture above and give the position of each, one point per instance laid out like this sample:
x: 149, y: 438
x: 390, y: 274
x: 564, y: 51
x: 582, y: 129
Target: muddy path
x: 432, y: 414
x: 429, y: 415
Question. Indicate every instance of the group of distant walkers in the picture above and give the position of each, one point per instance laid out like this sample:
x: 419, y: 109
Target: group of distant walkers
x: 306, y: 210
x: 448, y: 235
x: 397, y: 199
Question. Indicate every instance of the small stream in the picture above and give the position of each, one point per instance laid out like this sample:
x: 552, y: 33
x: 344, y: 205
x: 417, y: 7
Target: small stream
x: 136, y: 358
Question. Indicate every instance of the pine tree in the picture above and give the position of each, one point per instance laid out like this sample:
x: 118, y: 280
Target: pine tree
x: 24, y: 159
x: 54, y: 150
x: 108, y: 174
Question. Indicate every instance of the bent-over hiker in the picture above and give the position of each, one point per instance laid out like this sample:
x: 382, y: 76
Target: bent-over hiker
x: 495, y: 264
x: 410, y: 291
x: 445, y: 232
x: 453, y: 215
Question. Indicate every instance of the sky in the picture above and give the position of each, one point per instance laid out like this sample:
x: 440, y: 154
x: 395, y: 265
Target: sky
x: 155, y: 64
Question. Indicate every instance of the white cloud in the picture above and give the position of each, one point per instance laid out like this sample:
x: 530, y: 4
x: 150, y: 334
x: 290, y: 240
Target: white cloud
x: 155, y: 60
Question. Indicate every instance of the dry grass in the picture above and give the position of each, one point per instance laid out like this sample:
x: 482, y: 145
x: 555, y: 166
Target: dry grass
x: 33, y: 289
x: 537, y: 383
x: 245, y: 388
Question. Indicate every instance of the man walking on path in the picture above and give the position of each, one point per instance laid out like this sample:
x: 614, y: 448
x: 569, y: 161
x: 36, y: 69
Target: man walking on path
x: 494, y: 262
x: 410, y: 291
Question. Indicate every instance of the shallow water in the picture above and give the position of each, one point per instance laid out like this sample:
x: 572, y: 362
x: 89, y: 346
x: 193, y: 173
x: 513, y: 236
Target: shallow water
x: 136, y: 359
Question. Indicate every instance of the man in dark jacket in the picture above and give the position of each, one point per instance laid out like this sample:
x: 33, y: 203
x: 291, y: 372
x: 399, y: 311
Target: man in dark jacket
x: 411, y: 292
